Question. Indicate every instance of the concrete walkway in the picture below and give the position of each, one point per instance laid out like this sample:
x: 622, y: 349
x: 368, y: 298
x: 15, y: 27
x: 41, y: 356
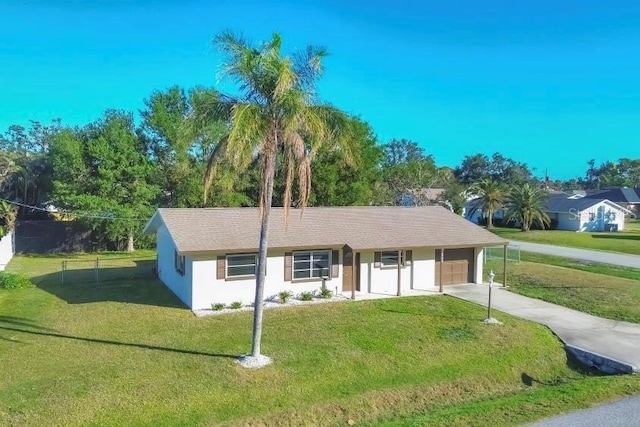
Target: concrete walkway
x: 609, y: 345
x: 624, y: 260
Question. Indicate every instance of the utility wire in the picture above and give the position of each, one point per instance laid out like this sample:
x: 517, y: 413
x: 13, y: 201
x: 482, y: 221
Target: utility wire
x: 65, y: 212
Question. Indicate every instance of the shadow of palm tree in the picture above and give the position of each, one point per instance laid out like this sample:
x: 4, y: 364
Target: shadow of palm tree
x: 21, y: 321
x: 118, y: 343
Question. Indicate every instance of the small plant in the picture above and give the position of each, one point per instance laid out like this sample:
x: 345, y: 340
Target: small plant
x: 325, y: 293
x: 306, y: 296
x: 14, y: 281
x: 236, y: 305
x: 217, y: 306
x: 284, y: 296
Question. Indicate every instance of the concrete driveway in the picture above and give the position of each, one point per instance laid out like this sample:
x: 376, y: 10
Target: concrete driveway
x: 623, y: 260
x: 609, y: 345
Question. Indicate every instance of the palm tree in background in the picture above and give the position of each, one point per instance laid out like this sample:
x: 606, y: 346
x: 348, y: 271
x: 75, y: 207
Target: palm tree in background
x: 490, y: 195
x: 525, y: 206
x: 8, y: 215
x: 276, y: 121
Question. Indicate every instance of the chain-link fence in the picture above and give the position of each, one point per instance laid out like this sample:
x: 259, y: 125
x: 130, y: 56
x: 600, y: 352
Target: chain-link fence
x: 106, y: 269
x: 497, y: 252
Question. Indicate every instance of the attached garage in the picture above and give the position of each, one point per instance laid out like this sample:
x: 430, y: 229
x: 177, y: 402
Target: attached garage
x: 457, y: 267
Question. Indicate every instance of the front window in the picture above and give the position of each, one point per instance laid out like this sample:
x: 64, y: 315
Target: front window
x: 311, y: 264
x: 390, y: 258
x: 242, y: 265
x: 592, y: 216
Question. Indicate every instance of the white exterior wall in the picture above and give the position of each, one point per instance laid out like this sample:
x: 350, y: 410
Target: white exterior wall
x: 6, y: 250
x: 419, y: 275
x: 568, y: 221
x: 208, y: 290
x: 179, y: 285
x: 602, y: 213
x: 580, y: 221
x: 478, y: 265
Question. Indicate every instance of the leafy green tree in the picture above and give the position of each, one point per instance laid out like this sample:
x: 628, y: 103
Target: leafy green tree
x: 275, y: 115
x: 181, y: 163
x: 454, y: 197
x: 101, y: 173
x: 409, y: 173
x: 490, y: 194
x: 477, y: 167
x: 26, y: 150
x: 337, y: 182
x: 525, y: 205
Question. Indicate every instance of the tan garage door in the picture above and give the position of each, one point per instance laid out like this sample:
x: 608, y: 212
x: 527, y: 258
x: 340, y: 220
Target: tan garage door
x: 457, y: 267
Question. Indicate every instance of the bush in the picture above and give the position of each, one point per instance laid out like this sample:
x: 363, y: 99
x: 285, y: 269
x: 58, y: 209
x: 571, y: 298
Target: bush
x: 284, y: 296
x: 217, y: 306
x: 305, y: 296
x: 236, y: 305
x: 14, y: 281
x: 325, y: 293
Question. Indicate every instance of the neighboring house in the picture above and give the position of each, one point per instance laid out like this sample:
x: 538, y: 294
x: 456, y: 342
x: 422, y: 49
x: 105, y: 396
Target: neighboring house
x: 474, y: 213
x: 209, y: 255
x: 628, y: 198
x: 578, y: 213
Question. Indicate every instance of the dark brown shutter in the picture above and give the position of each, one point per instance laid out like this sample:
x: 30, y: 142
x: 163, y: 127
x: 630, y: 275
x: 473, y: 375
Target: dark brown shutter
x: 377, y: 259
x: 287, y: 266
x: 408, y: 257
x: 220, y: 267
x: 335, y: 257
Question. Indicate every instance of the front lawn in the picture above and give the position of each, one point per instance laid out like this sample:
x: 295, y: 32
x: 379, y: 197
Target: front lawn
x: 622, y: 241
x: 598, y: 289
x: 126, y: 353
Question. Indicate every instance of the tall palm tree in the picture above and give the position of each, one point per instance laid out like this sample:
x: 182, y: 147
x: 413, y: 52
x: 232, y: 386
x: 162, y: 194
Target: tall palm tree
x: 8, y: 215
x: 276, y: 120
x: 490, y: 195
x: 525, y: 205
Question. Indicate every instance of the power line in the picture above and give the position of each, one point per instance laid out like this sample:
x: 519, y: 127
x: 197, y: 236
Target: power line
x: 77, y: 215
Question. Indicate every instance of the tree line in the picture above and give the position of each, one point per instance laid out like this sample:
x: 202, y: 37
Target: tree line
x: 112, y: 173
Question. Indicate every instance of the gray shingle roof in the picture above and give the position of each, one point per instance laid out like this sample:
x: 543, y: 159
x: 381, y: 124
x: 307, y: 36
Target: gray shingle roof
x: 238, y: 229
x: 562, y: 203
x: 618, y: 195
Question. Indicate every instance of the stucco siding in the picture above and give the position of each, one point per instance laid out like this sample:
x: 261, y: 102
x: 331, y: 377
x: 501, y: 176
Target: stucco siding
x: 478, y: 265
x: 377, y: 280
x: 207, y: 289
x: 568, y: 221
x: 179, y: 284
x: 600, y: 217
x: 424, y: 266
x: 6, y: 250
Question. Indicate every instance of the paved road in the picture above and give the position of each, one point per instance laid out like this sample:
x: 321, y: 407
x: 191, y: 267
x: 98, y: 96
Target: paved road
x: 623, y: 260
x: 621, y: 413
x: 613, y: 340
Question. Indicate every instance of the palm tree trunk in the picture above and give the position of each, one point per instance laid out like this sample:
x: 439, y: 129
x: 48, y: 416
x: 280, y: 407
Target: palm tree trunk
x: 262, y: 260
x: 490, y: 219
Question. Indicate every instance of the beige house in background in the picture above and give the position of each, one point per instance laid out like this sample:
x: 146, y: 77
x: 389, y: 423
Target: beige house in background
x: 209, y: 256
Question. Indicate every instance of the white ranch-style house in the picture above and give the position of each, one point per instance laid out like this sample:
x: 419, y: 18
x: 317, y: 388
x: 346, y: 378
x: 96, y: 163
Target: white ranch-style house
x: 209, y: 255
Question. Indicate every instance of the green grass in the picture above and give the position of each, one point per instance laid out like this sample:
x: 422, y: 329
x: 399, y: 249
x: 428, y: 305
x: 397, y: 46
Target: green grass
x: 627, y: 241
x: 599, y: 289
x: 127, y: 353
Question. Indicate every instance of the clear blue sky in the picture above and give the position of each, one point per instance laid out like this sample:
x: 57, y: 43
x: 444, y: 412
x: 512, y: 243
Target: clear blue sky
x: 550, y: 83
